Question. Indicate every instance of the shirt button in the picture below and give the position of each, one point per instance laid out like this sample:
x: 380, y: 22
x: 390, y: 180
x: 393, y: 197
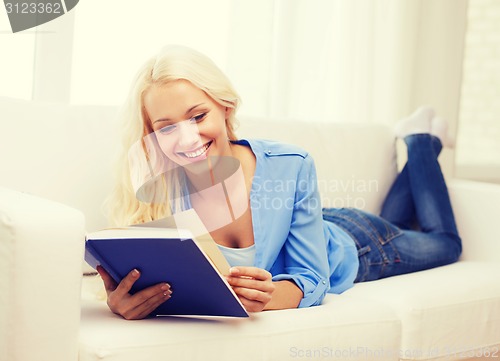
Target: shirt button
x: 324, y: 282
x: 268, y: 152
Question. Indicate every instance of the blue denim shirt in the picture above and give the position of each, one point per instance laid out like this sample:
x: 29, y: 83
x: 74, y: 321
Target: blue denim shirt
x: 292, y: 240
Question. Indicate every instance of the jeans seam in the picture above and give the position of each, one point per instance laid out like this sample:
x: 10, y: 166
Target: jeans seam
x: 377, y: 239
x: 374, y: 240
x: 393, y: 235
x: 390, y: 235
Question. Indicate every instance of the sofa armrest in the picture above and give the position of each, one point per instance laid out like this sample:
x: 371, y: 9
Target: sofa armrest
x: 41, y: 252
x: 477, y: 211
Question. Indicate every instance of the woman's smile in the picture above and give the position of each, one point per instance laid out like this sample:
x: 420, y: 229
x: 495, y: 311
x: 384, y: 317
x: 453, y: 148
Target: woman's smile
x: 197, y: 154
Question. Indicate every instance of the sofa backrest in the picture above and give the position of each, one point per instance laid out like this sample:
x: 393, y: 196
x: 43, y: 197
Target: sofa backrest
x: 356, y: 163
x: 65, y: 153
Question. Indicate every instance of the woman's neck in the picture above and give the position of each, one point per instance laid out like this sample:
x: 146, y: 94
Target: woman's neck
x: 211, y: 171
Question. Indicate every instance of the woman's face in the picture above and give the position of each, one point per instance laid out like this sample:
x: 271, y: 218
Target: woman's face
x: 188, y: 124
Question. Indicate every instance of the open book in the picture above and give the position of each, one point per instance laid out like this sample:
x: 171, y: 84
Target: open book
x: 177, y: 250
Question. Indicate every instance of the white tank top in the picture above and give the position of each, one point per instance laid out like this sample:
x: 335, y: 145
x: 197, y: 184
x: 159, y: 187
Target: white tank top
x: 239, y: 256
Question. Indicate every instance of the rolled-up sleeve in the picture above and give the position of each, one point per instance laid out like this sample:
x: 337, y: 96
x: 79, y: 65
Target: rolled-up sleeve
x: 306, y: 260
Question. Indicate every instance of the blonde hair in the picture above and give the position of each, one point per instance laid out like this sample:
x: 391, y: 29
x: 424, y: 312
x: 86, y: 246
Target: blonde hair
x: 172, y: 63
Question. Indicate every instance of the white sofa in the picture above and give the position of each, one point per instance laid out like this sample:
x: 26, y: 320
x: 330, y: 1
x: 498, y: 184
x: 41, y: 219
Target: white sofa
x: 56, y: 169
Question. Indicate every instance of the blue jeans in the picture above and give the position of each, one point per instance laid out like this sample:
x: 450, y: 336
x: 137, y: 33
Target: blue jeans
x: 416, y: 229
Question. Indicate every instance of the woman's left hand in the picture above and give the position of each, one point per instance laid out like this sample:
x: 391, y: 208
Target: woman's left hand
x: 253, y: 286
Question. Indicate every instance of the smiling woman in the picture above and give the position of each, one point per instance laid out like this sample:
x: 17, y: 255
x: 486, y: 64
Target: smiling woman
x: 187, y: 141
x: 289, y: 252
x: 186, y: 123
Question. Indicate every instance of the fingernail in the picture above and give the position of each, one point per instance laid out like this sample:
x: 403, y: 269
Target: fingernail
x: 135, y: 272
x: 165, y: 287
x: 233, y: 270
x: 167, y: 293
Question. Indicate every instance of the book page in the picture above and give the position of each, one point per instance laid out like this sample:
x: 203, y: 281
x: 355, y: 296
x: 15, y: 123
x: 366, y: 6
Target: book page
x: 190, y: 220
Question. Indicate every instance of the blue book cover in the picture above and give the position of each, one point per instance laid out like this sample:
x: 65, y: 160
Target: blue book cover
x: 165, y: 255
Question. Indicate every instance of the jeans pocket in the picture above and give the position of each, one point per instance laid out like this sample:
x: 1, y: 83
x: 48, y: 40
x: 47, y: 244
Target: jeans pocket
x: 381, y: 229
x: 389, y: 234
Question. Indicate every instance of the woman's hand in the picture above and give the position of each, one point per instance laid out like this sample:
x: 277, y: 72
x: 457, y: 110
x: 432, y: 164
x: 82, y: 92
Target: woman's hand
x: 253, y: 286
x: 138, y: 305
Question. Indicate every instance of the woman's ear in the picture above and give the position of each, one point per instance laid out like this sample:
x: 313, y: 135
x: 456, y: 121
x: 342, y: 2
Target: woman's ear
x: 228, y: 112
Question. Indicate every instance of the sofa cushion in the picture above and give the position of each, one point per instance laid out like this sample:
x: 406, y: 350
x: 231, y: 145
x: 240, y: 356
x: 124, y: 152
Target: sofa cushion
x: 342, y: 326
x: 444, y: 311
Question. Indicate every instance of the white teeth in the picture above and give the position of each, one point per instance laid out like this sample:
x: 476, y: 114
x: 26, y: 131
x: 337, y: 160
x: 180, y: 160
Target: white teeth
x: 198, y: 152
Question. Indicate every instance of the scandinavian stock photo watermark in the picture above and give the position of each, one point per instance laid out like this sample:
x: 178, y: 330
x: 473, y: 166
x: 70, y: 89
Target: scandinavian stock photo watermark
x: 26, y: 14
x: 370, y: 353
x: 275, y: 194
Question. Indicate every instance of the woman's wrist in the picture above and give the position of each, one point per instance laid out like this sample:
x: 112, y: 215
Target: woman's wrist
x: 286, y: 295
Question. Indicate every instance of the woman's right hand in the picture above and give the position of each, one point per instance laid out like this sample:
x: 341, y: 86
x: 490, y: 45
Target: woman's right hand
x: 138, y: 305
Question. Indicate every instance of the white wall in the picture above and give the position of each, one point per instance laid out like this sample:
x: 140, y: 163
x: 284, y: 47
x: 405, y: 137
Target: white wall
x: 478, y: 142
